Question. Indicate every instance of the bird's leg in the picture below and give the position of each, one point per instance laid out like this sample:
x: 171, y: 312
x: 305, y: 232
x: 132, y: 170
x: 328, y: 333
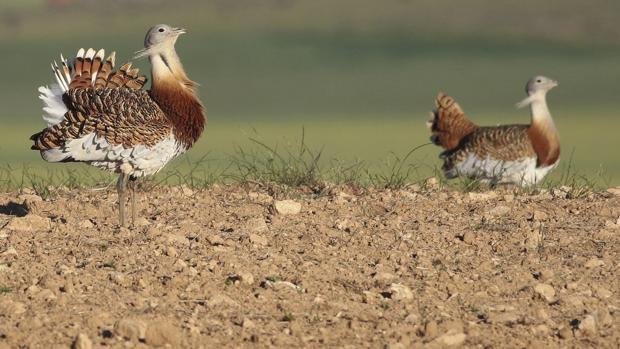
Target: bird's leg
x: 132, y: 193
x: 121, y: 186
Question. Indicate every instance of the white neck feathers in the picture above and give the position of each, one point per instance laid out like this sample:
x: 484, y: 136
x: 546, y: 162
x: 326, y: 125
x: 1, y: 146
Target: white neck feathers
x: 540, y: 111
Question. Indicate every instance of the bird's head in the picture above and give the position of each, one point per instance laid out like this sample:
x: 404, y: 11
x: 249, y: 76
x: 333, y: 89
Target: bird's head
x: 537, y: 87
x: 539, y: 84
x: 159, y: 39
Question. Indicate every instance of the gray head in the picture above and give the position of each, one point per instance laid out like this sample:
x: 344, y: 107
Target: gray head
x: 160, y: 38
x: 540, y: 84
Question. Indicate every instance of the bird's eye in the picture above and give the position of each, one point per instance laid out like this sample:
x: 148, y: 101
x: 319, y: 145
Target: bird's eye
x: 161, y: 30
x: 538, y: 81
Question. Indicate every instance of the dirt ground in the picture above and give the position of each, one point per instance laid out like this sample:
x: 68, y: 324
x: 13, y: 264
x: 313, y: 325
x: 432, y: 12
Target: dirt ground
x: 235, y: 266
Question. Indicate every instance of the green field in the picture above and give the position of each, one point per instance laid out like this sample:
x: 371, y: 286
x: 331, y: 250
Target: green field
x: 359, y: 78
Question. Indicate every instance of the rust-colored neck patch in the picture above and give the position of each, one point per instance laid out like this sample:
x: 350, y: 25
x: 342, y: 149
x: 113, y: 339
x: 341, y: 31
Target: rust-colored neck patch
x: 546, y: 142
x: 182, y: 107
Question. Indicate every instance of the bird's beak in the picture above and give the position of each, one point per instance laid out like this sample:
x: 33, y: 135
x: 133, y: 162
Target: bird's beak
x: 554, y: 83
x: 179, y: 31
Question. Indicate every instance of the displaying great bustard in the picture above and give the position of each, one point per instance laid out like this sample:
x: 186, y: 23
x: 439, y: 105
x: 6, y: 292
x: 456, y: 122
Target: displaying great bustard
x: 104, y: 118
x: 517, y: 154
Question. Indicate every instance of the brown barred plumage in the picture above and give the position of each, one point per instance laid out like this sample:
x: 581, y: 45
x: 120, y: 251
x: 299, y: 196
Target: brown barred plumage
x: 119, y: 115
x: 505, y: 143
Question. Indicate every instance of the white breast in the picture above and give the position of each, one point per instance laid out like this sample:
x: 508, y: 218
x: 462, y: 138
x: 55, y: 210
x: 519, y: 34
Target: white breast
x: 136, y: 161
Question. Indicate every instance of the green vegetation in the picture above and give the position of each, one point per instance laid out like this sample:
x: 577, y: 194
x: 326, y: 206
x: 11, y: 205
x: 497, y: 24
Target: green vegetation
x: 356, y: 77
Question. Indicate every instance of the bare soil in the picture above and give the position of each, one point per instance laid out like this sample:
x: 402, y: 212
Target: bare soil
x: 232, y: 266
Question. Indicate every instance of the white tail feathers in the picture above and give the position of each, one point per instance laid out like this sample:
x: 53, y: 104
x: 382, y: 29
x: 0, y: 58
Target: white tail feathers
x: 54, y: 108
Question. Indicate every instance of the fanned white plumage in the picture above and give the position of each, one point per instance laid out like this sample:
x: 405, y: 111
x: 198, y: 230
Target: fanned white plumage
x: 54, y: 109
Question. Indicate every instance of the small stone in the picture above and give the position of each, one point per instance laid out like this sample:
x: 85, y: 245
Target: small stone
x: 481, y: 197
x: 499, y: 211
x: 431, y: 183
x: 614, y: 191
x: 29, y: 199
x: 215, y: 240
x: 141, y: 222
x: 383, y: 279
x: 545, y: 275
x: 260, y: 197
x: 171, y: 252
x: 533, y: 239
x: 400, y: 292
x: 86, y: 224
x: 542, y: 330
x: 594, y: 263
x: 370, y: 297
x: 287, y: 207
x: 285, y: 285
x: 344, y: 224
x: 539, y: 216
x: 187, y: 191
x: 9, y: 252
x: 431, y: 329
x: 46, y: 295
x: 452, y: 339
x: 246, y: 278
x: 588, y: 325
x: 507, y: 318
x: 9, y: 307
x: 130, y: 330
x: 412, y: 318
x: 29, y: 223
x: 162, y: 332
x: 82, y: 342
x: 180, y: 264
x: 542, y: 314
x: 546, y: 292
x: 258, y: 240
x: 256, y: 225
x: 117, y: 277
x: 565, y: 332
x: 604, y: 318
x: 247, y: 323
x: 469, y: 237
x: 219, y: 300
x: 602, y: 293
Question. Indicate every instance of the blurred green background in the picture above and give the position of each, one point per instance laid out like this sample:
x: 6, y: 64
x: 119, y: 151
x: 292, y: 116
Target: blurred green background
x: 359, y: 76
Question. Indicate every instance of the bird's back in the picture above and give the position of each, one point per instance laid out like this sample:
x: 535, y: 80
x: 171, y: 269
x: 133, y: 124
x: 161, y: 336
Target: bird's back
x: 496, y: 154
x: 104, y: 117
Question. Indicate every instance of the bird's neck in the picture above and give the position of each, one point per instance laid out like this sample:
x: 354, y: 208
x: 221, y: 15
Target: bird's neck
x: 543, y: 133
x: 167, y: 67
x: 175, y: 94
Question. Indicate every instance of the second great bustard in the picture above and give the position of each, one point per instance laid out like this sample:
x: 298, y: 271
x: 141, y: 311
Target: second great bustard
x: 516, y: 154
x: 106, y: 119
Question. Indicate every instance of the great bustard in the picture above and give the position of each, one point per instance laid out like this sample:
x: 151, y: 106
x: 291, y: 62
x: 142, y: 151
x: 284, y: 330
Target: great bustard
x: 517, y: 154
x: 104, y: 118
